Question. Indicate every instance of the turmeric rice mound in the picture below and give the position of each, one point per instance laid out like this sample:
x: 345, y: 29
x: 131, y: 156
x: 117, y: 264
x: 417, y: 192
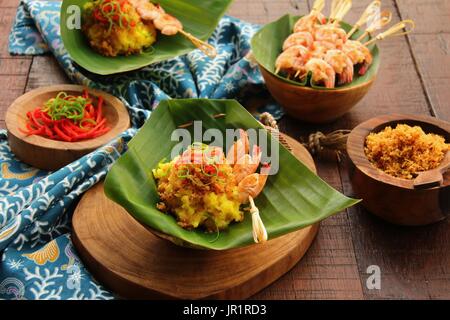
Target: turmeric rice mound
x: 114, y: 28
x: 405, y: 151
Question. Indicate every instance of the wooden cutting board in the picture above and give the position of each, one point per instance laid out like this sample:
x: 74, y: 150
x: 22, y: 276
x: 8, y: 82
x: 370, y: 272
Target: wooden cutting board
x: 132, y: 262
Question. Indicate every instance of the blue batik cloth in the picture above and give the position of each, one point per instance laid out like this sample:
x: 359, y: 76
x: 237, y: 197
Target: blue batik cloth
x: 38, y: 260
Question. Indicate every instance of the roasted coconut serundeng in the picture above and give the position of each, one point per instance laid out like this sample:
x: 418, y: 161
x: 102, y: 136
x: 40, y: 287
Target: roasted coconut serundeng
x: 405, y: 151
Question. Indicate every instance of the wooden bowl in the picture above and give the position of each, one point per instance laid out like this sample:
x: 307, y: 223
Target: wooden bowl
x: 314, y: 105
x: 396, y: 199
x: 50, y: 154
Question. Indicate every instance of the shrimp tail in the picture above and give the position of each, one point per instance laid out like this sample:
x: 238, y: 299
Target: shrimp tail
x: 363, y: 69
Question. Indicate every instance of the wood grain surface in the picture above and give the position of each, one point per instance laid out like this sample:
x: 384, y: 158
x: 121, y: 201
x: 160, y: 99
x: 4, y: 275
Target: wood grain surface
x: 414, y: 78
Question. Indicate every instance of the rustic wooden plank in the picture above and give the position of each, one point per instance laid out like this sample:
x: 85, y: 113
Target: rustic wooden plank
x: 45, y: 71
x: 431, y: 16
x: 264, y: 11
x: 9, y: 3
x: 329, y: 270
x: 6, y: 20
x: 412, y: 260
x: 13, y: 76
x: 430, y: 43
x: 398, y: 88
x: 20, y: 66
x: 12, y: 87
x: 432, y: 53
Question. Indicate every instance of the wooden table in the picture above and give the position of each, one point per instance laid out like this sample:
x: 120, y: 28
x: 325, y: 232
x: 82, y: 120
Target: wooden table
x: 414, y: 78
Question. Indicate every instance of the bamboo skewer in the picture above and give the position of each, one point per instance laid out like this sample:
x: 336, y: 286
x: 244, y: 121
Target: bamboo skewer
x: 384, y: 19
x: 371, y: 10
x: 206, y: 48
x: 317, y: 7
x: 339, y: 8
x: 395, y: 30
x: 259, y: 230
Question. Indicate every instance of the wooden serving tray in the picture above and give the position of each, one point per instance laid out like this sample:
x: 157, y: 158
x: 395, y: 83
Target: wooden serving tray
x: 132, y: 262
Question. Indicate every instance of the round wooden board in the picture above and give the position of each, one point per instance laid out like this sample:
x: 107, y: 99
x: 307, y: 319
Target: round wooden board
x: 132, y: 262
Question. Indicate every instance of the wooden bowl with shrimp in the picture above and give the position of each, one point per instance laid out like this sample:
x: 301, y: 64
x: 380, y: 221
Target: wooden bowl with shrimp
x: 303, y: 99
x: 50, y: 154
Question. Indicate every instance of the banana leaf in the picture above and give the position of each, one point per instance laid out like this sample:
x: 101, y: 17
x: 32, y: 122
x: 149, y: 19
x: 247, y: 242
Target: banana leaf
x: 199, y: 17
x: 267, y: 44
x: 292, y: 199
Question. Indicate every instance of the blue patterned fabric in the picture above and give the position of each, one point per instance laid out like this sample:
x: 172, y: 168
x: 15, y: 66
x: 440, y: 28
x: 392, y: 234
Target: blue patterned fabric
x: 38, y: 260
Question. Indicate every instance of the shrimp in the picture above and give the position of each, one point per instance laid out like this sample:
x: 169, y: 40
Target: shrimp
x: 321, y: 72
x: 253, y: 184
x: 332, y: 34
x: 292, y: 60
x: 320, y: 48
x: 342, y: 65
x: 239, y: 148
x: 247, y: 164
x: 167, y: 24
x: 359, y: 54
x: 299, y: 38
x: 310, y: 22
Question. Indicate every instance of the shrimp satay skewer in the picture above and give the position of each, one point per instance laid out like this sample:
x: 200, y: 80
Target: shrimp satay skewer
x: 331, y: 33
x: 309, y: 22
x: 372, y: 10
x: 377, y: 22
x: 250, y: 183
x: 292, y: 60
x: 360, y: 54
x: 395, y: 30
x: 303, y: 38
x: 339, y: 8
x: 342, y: 65
x: 169, y: 25
x: 321, y: 72
x: 320, y: 48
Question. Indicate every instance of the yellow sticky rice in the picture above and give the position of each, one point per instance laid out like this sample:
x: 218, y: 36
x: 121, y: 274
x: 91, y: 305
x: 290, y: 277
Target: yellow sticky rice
x: 117, y: 40
x: 404, y: 151
x: 196, y: 197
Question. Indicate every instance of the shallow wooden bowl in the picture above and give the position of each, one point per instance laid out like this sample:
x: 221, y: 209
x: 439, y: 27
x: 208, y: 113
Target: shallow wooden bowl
x: 50, y: 154
x: 314, y: 105
x: 395, y: 199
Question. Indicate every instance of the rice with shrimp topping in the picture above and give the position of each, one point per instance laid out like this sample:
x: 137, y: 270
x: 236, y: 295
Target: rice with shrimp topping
x: 405, y: 151
x: 203, y: 194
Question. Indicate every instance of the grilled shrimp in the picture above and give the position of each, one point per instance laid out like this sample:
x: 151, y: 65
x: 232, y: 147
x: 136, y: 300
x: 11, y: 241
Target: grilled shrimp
x: 332, y: 34
x: 321, y: 72
x: 359, y: 54
x: 299, y: 38
x: 342, y: 65
x: 247, y: 164
x: 310, y: 22
x: 239, y: 148
x: 320, y: 48
x: 253, y: 184
x: 292, y: 60
x: 167, y: 24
